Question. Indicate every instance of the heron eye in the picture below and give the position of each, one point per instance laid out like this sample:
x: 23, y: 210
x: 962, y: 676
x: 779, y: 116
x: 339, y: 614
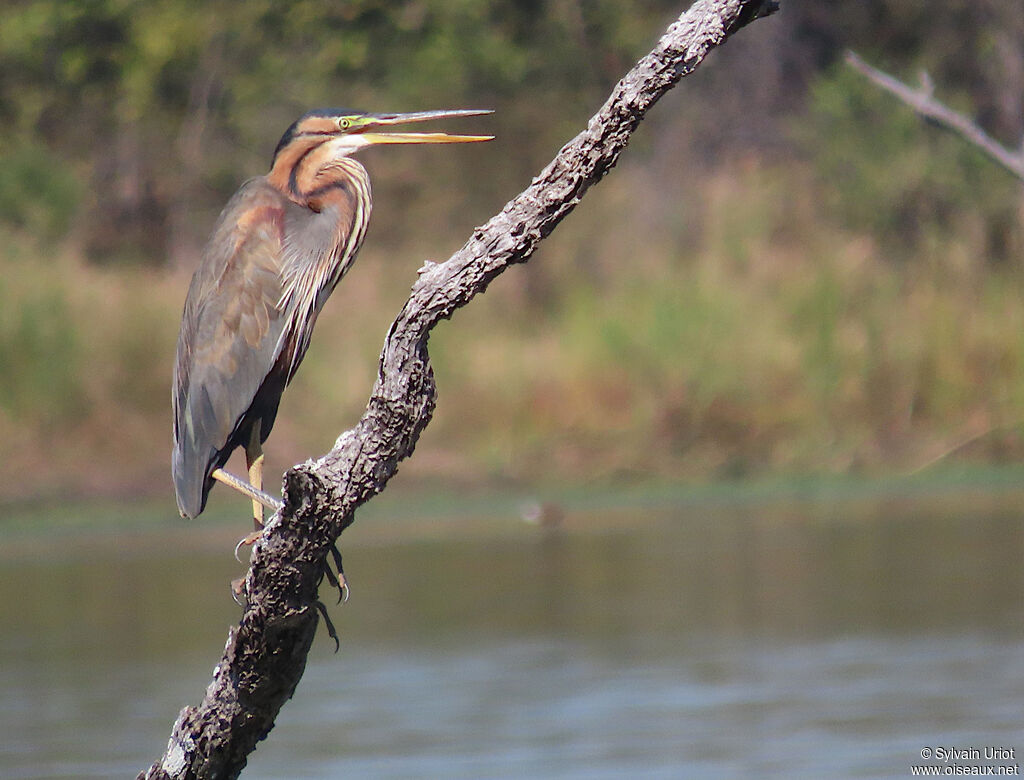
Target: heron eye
x: 344, y: 123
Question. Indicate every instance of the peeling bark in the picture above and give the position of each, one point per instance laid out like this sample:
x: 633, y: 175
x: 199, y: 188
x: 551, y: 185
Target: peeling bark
x: 266, y: 653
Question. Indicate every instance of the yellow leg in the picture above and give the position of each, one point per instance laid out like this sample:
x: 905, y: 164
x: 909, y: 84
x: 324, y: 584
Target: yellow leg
x: 256, y: 480
x: 247, y: 490
x: 254, y: 460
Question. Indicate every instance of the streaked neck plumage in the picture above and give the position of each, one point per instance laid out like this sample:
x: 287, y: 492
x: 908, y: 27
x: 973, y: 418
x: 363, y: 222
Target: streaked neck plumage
x: 310, y: 171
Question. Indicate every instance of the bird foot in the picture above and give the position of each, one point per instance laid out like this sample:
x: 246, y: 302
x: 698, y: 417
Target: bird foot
x: 331, y: 630
x: 337, y: 580
x: 238, y: 592
x: 247, y: 541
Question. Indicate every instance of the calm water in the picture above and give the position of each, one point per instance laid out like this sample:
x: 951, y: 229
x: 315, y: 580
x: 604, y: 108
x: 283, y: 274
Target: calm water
x: 705, y: 640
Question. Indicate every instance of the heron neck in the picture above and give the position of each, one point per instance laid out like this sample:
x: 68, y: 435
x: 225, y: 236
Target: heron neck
x: 307, y: 173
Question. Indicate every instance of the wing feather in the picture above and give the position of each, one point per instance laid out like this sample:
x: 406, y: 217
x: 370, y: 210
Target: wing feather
x: 249, y: 313
x: 230, y: 337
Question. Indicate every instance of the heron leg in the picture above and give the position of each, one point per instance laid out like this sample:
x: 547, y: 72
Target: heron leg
x: 254, y: 461
x: 253, y: 489
x: 247, y: 490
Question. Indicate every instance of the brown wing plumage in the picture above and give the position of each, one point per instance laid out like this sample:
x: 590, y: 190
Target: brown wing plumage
x: 252, y: 304
x: 231, y: 337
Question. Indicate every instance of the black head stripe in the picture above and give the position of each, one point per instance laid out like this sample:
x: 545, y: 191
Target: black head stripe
x: 293, y: 130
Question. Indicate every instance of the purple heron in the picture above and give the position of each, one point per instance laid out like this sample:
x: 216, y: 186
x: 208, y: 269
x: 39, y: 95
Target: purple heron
x: 277, y: 251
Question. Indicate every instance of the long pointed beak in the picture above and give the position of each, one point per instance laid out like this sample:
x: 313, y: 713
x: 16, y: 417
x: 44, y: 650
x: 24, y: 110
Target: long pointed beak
x: 386, y: 120
x: 422, y: 138
x: 425, y: 116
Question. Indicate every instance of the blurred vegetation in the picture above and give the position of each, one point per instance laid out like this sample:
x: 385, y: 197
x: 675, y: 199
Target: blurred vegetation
x: 787, y: 273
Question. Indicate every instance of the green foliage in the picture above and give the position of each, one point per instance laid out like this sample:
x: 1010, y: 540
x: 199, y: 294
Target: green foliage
x: 37, y: 194
x: 39, y: 354
x: 162, y: 107
x: 885, y: 172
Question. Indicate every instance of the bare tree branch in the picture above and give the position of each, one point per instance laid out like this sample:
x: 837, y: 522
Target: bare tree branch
x: 925, y: 104
x: 266, y: 653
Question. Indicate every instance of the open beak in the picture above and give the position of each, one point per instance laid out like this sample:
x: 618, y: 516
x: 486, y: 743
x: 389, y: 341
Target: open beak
x: 387, y: 120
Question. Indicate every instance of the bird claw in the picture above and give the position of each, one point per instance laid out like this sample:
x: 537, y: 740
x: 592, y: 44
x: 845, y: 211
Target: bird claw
x: 343, y: 589
x: 331, y: 631
x: 247, y: 541
x: 238, y: 592
x: 338, y: 581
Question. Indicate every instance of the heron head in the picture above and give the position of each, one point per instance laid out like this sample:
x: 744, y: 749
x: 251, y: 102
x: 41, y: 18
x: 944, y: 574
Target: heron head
x: 349, y: 131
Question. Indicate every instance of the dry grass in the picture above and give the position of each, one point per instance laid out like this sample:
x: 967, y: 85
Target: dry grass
x: 752, y: 338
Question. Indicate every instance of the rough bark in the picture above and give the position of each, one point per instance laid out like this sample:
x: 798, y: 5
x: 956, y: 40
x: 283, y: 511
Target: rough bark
x: 266, y: 653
